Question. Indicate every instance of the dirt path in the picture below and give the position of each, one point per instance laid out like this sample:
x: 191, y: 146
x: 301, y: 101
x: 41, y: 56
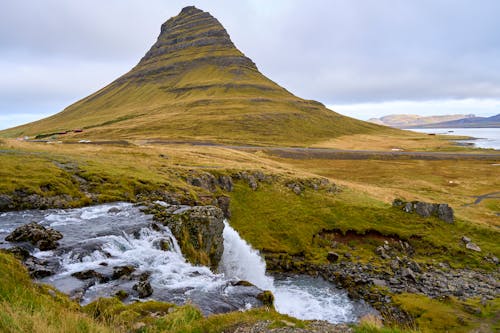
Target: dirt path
x: 339, y: 154
x: 479, y: 198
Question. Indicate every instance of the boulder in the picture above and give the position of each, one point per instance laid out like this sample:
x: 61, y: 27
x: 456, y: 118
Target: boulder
x: 473, y: 247
x: 332, y: 257
x: 5, y: 202
x: 408, y: 273
x: 143, y: 288
x: 425, y: 209
x: 297, y: 190
x: 223, y: 203
x: 225, y: 183
x: 267, y: 298
x: 122, y: 271
x: 198, y: 230
x: 205, y: 180
x: 445, y: 213
x: 41, y: 237
x: 37, y: 268
x: 90, y: 274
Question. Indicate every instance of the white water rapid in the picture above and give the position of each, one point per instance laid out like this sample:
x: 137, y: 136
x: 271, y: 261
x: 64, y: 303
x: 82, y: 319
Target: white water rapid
x: 105, y: 237
x: 302, y: 297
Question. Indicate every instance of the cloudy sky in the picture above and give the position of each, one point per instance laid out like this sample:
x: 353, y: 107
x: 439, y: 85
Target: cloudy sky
x: 362, y: 58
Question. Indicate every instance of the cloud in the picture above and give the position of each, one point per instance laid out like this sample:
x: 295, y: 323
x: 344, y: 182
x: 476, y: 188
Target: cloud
x: 334, y: 51
x: 479, y: 107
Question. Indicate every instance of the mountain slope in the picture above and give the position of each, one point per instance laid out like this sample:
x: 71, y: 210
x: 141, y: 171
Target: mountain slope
x: 413, y: 120
x: 493, y: 121
x: 194, y: 84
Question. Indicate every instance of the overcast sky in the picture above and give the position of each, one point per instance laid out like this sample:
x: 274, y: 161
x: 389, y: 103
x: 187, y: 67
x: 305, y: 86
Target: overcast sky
x: 362, y: 58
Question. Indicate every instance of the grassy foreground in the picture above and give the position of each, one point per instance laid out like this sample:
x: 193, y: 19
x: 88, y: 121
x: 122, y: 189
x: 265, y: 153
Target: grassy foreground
x: 273, y: 219
x: 27, y: 307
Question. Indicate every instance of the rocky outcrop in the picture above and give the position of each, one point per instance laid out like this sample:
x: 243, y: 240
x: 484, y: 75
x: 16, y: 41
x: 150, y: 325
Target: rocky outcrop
x: 37, y: 268
x: 300, y: 185
x: 425, y: 209
x: 22, y: 199
x: 193, y: 29
x: 209, y: 182
x: 39, y: 236
x: 197, y: 229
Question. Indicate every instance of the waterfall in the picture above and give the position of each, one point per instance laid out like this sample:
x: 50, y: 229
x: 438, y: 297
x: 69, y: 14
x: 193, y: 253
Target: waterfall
x: 241, y: 261
x: 103, y: 237
x: 303, y: 297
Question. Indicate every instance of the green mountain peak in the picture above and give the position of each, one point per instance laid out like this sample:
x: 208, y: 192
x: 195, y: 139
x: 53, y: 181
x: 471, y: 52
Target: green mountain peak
x: 194, y: 84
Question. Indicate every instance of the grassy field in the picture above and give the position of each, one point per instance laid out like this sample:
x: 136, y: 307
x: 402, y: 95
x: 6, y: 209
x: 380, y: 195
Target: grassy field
x: 273, y: 218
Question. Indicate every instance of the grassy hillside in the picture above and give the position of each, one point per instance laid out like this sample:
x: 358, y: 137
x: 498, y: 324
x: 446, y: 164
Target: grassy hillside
x: 194, y: 84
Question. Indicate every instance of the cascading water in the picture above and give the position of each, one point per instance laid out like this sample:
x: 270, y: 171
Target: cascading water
x: 102, y: 238
x: 302, y: 297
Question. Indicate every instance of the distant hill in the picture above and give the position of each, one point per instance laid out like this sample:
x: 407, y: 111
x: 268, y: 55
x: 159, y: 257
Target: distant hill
x: 194, y: 84
x: 413, y: 120
x: 489, y: 122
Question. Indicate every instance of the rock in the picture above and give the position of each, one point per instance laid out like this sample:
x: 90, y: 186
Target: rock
x: 414, y: 266
x: 198, y: 231
x: 445, y: 213
x: 226, y: 183
x: 381, y: 252
x: 223, y: 203
x: 473, y: 247
x: 205, y: 180
x: 37, y: 268
x: 251, y: 179
x: 394, y: 265
x: 6, y: 202
x: 466, y: 239
x: 348, y: 255
x: 90, y: 274
x: 267, y: 298
x: 143, y: 288
x: 19, y: 252
x: 122, y: 271
x: 41, y: 237
x: 164, y: 244
x: 398, y: 203
x: 424, y: 209
x: 379, y: 282
x: 494, y: 260
x: 114, y: 210
x: 252, y: 183
x: 408, y: 273
x: 332, y: 257
x: 297, y: 190
x: 121, y: 294
x: 243, y: 283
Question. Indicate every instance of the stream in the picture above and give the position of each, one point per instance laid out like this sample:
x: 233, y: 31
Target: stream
x: 105, y: 237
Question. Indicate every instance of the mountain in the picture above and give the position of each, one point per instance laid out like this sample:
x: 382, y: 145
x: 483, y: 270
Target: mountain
x: 194, y: 84
x: 492, y: 122
x: 413, y: 120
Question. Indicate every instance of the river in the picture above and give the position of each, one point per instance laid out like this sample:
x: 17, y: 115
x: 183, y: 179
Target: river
x: 483, y: 137
x: 103, y: 237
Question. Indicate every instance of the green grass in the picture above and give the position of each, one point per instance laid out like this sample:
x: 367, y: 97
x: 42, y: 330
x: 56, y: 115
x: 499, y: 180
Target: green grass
x: 451, y: 314
x: 274, y: 219
x: 28, y: 307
